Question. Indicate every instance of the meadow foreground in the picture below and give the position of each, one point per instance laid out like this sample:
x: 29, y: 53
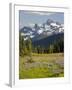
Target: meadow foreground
x: 42, y: 66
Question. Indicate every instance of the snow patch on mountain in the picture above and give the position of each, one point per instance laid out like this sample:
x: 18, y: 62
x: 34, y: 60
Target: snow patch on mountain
x: 36, y: 30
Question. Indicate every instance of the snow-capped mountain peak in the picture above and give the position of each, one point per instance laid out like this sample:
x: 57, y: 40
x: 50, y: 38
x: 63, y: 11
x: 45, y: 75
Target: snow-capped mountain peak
x: 39, y: 30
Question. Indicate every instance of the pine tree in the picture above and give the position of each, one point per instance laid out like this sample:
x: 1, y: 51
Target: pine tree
x: 21, y: 45
x: 29, y: 47
x: 51, y: 48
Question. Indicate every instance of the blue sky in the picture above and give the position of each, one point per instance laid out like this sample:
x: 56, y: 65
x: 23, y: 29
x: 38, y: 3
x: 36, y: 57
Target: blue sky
x: 27, y: 18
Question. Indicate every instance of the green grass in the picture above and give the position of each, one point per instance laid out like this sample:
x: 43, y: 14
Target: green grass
x: 43, y: 66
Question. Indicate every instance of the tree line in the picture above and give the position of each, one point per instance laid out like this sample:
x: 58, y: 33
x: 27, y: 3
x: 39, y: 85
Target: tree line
x: 55, y: 47
x: 26, y: 47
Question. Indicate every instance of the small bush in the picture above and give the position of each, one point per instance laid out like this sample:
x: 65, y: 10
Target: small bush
x: 30, y: 60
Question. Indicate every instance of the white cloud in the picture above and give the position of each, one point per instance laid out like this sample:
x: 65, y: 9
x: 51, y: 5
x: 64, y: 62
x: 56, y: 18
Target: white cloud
x: 42, y: 13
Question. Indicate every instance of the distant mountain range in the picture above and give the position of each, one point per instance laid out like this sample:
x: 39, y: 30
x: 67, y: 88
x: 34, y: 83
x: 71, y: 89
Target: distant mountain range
x: 43, y: 34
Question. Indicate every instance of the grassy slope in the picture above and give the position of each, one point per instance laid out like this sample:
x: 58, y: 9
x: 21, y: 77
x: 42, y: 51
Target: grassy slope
x: 44, y: 65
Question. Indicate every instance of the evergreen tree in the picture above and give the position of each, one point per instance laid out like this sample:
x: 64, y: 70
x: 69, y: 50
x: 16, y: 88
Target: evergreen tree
x: 29, y: 46
x: 21, y: 45
x: 51, y: 48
